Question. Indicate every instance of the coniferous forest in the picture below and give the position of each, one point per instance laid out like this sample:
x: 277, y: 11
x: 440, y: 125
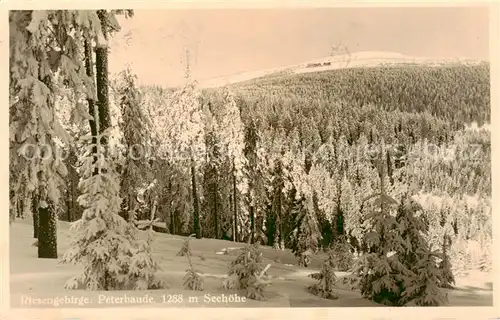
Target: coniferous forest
x: 373, y: 180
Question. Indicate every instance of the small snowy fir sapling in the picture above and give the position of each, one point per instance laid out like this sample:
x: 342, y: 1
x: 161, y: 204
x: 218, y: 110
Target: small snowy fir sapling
x: 247, y: 273
x: 423, y: 289
x: 185, y: 249
x: 485, y: 258
x: 192, y: 279
x: 342, y: 255
x: 458, y: 256
x: 485, y: 262
x: 326, y: 279
x: 447, y: 279
x: 145, y: 265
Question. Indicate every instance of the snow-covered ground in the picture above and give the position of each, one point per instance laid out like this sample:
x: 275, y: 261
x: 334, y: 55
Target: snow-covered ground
x: 354, y: 60
x: 32, y: 278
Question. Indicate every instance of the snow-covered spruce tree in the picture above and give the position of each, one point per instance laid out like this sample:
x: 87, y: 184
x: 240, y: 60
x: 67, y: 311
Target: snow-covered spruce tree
x: 112, y: 255
x: 192, y: 279
x: 261, y: 188
x: 274, y: 185
x: 398, y: 268
x: 232, y: 143
x: 422, y: 286
x: 135, y: 171
x: 33, y: 122
x: 254, y: 168
x: 378, y: 272
x: 437, y: 213
x: 326, y: 178
x: 306, y: 235
x: 70, y: 109
x: 326, y: 279
x: 351, y: 220
x: 342, y: 157
x: 211, y: 177
x: 179, y: 127
x: 342, y: 256
x: 247, y: 273
x: 423, y: 290
x: 324, y: 187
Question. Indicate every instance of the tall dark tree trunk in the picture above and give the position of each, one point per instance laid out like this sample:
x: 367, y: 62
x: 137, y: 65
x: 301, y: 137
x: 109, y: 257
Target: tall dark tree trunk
x: 252, y: 224
x: 73, y: 207
x: 270, y: 225
x: 34, y: 211
x: 278, y: 205
x: 12, y: 213
x: 383, y: 172
x: 47, y: 231
x: 172, y: 222
x: 340, y: 223
x: 235, y: 203
x: 280, y: 220
x: 170, y: 207
x: 101, y: 53
x: 389, y: 168
x: 177, y: 225
x: 89, y: 69
x: 196, y: 201
x: 68, y: 205
x: 216, y: 213
x: 47, y: 216
x: 75, y: 178
x: 20, y: 209
x: 126, y: 204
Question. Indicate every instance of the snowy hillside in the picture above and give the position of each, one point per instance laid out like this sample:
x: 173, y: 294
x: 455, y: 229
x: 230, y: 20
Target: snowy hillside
x: 32, y: 278
x: 354, y: 60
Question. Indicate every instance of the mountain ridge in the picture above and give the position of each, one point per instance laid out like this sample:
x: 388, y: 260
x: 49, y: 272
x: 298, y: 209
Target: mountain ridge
x: 350, y: 60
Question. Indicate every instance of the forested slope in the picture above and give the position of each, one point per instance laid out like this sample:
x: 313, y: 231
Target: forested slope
x: 317, y: 135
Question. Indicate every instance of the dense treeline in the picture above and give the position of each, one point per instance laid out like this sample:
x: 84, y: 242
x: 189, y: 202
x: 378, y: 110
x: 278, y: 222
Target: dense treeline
x: 455, y: 93
x: 316, y: 132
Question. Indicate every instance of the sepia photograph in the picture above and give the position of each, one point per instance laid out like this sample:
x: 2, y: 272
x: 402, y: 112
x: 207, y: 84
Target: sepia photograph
x: 309, y: 157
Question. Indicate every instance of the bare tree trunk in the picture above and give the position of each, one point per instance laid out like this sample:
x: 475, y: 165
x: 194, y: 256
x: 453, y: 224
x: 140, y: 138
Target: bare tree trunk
x: 74, y: 209
x: 47, y: 216
x: 280, y: 221
x: 34, y: 211
x: 102, y: 82
x: 47, y: 232
x: 196, y: 202
x: 216, y: 214
x: 235, y: 203
x: 153, y: 211
x: 89, y: 68
x: 68, y: 205
x: 252, y: 224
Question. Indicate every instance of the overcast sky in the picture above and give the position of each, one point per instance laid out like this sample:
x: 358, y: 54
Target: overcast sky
x: 230, y: 41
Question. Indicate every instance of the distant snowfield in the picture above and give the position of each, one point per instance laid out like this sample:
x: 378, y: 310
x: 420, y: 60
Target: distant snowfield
x: 32, y: 278
x: 354, y: 60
